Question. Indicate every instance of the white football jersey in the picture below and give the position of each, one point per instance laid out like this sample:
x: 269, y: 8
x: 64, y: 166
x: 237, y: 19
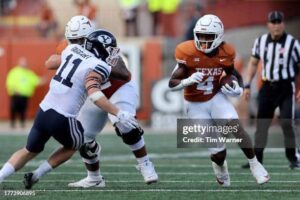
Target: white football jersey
x: 67, y: 91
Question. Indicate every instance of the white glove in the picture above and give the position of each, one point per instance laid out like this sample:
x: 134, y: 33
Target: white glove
x: 235, y: 91
x: 114, y: 56
x: 127, y: 119
x: 196, y: 77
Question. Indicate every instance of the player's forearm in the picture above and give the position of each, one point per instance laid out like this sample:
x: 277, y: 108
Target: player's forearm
x: 97, y: 97
x: 239, y: 77
x: 120, y: 71
x: 251, y: 71
x: 177, y: 84
x: 107, y: 106
x: 174, y: 82
x: 53, y: 62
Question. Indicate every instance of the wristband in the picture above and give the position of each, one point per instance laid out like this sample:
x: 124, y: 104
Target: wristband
x: 247, y: 86
x: 95, y: 96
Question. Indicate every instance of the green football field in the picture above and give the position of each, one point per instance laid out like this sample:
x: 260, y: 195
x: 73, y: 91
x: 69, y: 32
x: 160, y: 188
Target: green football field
x: 183, y: 174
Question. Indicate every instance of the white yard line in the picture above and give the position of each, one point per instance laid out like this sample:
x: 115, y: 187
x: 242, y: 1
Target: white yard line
x: 167, y: 173
x: 141, y: 181
x: 81, y: 165
x: 169, y: 190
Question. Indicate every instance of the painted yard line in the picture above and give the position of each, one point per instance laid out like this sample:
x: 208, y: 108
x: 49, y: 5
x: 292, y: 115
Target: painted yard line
x: 167, y: 173
x: 81, y: 165
x: 170, y: 190
x: 141, y: 181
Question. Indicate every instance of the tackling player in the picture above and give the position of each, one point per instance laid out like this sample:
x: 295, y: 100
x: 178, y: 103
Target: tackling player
x: 78, y: 77
x: 200, y: 64
x: 124, y: 95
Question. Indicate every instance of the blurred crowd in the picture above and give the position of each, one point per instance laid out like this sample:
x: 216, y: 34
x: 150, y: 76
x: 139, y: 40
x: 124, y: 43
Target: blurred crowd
x: 163, y: 15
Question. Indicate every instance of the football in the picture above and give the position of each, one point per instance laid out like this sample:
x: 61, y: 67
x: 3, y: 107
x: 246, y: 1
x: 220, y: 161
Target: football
x: 228, y: 80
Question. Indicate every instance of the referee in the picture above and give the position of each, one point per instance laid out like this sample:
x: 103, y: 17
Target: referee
x: 279, y: 53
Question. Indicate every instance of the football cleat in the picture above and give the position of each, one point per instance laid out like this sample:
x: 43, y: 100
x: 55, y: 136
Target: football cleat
x: 260, y: 173
x: 295, y: 166
x: 222, y: 175
x: 28, y: 181
x: 88, y: 182
x: 147, y: 170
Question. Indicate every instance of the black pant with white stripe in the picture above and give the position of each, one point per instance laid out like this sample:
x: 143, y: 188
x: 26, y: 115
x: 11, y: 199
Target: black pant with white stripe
x: 66, y: 130
x: 272, y: 95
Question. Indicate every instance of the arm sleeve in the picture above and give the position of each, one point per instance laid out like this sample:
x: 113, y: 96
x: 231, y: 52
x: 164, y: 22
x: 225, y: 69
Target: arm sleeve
x: 101, y: 68
x: 297, y: 52
x: 255, y: 49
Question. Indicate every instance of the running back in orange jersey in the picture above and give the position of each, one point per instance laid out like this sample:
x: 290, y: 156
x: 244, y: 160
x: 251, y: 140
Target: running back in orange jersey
x: 212, y: 65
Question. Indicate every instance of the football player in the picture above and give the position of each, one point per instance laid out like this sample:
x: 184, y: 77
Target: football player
x: 200, y: 64
x: 78, y: 77
x: 124, y: 95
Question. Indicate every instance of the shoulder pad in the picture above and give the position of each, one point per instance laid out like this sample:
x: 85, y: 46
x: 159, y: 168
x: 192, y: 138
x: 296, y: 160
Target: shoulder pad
x: 184, y: 50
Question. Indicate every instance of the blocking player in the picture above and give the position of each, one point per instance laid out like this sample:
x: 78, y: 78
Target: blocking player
x: 124, y: 95
x: 78, y: 77
x: 200, y: 64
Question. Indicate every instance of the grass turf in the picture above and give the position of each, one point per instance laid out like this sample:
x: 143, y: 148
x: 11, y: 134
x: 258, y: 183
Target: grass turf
x: 183, y: 174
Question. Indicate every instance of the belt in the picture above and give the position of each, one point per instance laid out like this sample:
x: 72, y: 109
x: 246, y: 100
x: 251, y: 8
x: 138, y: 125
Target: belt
x: 280, y: 82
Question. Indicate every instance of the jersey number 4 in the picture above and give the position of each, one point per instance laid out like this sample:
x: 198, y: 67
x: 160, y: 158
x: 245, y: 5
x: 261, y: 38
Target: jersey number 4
x: 206, y: 86
x: 67, y: 81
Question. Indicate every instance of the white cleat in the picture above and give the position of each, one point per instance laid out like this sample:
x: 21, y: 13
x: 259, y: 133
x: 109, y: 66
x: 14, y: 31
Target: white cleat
x: 222, y: 174
x: 88, y: 182
x: 147, y: 170
x: 260, y: 173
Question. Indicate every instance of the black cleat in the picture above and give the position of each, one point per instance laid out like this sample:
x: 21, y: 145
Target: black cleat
x: 295, y: 165
x: 28, y: 182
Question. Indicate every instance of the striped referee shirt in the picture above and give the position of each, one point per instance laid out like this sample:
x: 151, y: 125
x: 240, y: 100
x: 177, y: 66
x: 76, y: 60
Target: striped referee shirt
x: 279, y: 57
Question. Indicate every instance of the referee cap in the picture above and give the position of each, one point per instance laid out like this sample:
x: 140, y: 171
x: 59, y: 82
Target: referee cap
x: 275, y: 16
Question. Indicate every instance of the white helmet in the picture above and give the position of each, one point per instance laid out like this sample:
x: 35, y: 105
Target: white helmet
x: 208, y: 33
x: 78, y: 27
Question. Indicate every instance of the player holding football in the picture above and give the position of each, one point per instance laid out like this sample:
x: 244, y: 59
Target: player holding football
x: 78, y: 77
x: 200, y: 64
x: 121, y: 93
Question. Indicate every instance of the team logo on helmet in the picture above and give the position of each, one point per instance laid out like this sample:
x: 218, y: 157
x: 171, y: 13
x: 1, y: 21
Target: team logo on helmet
x: 105, y: 39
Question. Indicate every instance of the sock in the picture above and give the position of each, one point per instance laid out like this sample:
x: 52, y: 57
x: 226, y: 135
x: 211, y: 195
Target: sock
x: 6, y: 171
x: 44, y: 168
x: 94, y: 174
x: 137, y: 145
x: 253, y: 161
x: 142, y: 159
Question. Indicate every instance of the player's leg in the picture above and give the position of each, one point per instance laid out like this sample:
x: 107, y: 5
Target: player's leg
x: 224, y: 110
x: 219, y: 164
x: 93, y: 120
x: 200, y: 110
x: 35, y: 144
x: 126, y: 98
x: 68, y: 132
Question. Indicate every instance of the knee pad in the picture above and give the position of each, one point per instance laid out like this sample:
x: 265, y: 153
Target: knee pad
x: 132, y: 137
x: 90, y: 152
